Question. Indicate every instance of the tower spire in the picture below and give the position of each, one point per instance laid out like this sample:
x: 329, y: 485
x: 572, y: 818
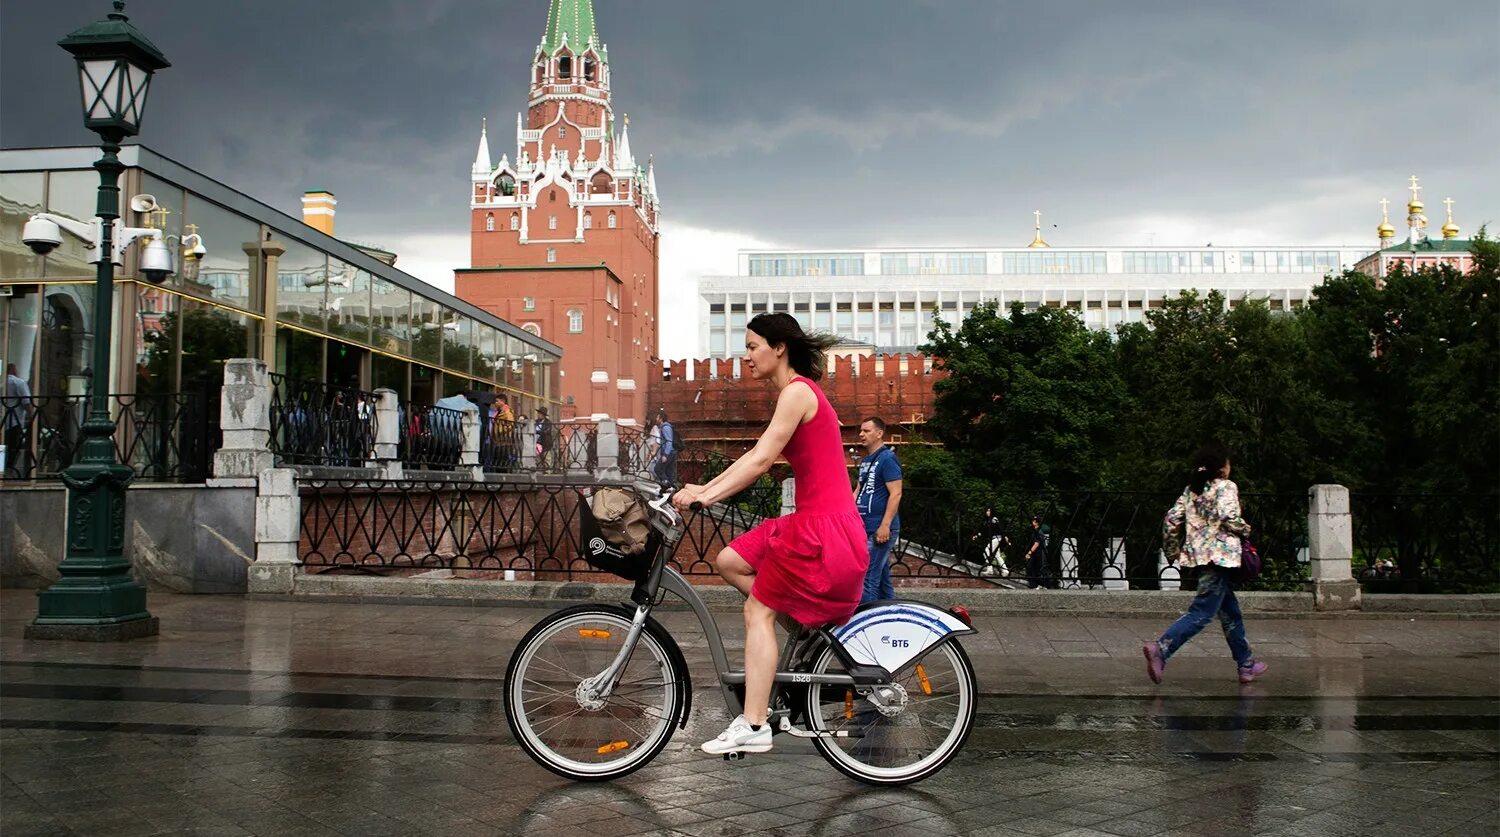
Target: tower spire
x: 482, y: 156
x: 571, y: 23
x: 1036, y: 240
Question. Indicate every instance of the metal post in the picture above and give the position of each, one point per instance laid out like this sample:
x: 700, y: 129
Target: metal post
x: 96, y: 598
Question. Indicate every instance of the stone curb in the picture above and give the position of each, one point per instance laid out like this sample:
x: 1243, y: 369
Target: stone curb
x: 992, y: 602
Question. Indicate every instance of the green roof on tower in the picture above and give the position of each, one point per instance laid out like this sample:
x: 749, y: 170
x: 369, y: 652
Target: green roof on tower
x: 572, y: 22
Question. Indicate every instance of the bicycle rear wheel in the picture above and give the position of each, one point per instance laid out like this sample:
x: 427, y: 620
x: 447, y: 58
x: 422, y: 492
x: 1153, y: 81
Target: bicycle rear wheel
x: 566, y: 731
x: 911, y: 738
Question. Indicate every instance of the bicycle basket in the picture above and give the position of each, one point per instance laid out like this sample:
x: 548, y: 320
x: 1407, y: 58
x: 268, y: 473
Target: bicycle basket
x: 614, y: 534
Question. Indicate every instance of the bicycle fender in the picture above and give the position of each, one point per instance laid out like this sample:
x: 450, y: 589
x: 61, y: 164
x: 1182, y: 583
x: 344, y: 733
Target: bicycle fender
x: 892, y: 634
x: 685, y: 687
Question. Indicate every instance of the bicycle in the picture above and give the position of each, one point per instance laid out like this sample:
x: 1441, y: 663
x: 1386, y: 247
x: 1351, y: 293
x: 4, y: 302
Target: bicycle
x: 595, y: 691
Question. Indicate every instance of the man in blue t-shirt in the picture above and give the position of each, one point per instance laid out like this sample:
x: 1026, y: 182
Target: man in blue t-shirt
x: 877, y: 495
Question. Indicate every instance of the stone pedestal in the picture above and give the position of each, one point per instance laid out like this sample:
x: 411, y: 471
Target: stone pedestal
x: 278, y: 530
x: 468, y: 455
x: 245, y: 418
x: 387, y: 434
x: 607, y: 450
x: 1330, y: 530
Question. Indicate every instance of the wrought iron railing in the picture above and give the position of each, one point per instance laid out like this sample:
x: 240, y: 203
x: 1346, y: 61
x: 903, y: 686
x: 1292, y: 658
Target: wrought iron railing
x: 166, y: 437
x: 376, y: 526
x: 500, y: 443
x: 315, y: 423
x: 430, y: 438
x: 1427, y: 542
x: 1087, y: 539
x: 564, y: 446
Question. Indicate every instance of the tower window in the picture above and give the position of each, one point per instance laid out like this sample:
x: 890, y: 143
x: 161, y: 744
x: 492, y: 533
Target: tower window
x: 489, y: 222
x: 588, y: 68
x: 507, y: 185
x: 551, y: 255
x: 611, y: 219
x: 565, y: 67
x: 515, y: 221
x: 551, y: 222
x: 588, y: 220
x: 528, y: 303
x: 562, y: 132
x: 575, y: 321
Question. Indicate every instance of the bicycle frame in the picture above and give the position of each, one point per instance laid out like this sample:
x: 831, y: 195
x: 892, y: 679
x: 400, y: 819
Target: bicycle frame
x: 870, y: 672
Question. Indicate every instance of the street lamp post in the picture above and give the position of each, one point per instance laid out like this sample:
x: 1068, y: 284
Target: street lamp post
x: 96, y: 598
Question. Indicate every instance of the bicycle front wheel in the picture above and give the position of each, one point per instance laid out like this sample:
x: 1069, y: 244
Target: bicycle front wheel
x: 572, y: 733
x: 917, y: 730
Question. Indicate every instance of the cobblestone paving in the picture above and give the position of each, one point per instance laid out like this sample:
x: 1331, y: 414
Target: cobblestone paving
x: 293, y: 718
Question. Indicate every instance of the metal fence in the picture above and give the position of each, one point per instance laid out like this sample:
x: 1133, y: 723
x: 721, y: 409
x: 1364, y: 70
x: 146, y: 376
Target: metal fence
x: 1418, y: 543
x: 381, y: 525
x: 430, y: 438
x: 1093, y: 539
x: 315, y: 423
x: 1101, y: 539
x: 500, y: 442
x: 166, y: 437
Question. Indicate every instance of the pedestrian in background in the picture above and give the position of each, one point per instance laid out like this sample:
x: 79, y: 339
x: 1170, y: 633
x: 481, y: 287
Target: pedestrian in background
x: 1210, y: 509
x: 877, y: 496
x: 666, y: 454
x: 1036, y: 555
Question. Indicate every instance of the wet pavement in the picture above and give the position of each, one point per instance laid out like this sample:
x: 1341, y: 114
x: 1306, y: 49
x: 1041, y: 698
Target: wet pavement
x: 292, y: 718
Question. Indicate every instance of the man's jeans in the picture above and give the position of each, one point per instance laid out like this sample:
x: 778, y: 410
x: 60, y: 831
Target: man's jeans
x: 878, y: 576
x: 1215, y: 596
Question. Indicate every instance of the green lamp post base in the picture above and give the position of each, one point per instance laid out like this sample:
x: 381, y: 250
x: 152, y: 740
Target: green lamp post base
x: 96, y: 632
x: 95, y: 599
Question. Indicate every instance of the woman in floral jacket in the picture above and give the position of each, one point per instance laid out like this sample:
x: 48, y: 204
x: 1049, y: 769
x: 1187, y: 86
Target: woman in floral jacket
x: 1210, y: 507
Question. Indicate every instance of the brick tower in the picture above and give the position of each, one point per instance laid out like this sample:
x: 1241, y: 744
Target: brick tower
x: 564, y: 236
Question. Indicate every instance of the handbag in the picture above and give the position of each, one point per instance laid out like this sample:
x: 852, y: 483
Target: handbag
x: 1249, y: 561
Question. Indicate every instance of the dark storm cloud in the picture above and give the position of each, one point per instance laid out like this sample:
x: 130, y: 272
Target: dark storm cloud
x: 833, y: 123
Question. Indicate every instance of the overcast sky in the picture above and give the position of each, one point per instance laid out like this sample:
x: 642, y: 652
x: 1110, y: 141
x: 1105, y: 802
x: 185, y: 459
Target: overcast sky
x: 828, y: 123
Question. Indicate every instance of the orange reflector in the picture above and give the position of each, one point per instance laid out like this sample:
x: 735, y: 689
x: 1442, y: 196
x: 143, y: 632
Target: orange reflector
x: 848, y: 704
x: 592, y: 633
x: 922, y: 676
x: 613, y: 746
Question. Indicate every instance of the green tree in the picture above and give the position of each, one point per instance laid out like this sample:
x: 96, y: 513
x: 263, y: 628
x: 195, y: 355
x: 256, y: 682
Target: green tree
x: 1029, y: 400
x: 1199, y: 370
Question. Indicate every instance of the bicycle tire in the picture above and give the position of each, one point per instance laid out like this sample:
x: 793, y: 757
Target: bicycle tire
x: 592, y: 750
x: 944, y: 680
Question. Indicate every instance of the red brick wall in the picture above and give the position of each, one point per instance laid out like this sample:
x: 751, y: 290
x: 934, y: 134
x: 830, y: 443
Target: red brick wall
x: 716, y: 410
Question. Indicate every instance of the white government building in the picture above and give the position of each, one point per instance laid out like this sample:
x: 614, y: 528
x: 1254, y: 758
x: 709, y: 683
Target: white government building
x: 885, y: 299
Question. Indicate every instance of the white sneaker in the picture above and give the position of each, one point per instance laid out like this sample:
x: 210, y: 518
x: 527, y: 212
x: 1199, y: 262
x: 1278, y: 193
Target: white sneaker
x: 740, y: 738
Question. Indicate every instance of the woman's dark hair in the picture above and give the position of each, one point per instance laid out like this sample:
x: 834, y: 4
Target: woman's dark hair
x: 1206, y: 465
x: 804, y: 352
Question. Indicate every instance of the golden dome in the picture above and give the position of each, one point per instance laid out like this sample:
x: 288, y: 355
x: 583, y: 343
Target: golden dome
x: 1450, y: 229
x: 1385, y: 230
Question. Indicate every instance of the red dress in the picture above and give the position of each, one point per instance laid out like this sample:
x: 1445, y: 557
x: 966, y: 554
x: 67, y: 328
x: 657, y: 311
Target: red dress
x: 811, y: 563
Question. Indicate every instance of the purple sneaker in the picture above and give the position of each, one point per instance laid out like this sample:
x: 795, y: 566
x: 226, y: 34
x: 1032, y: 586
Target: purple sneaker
x: 1252, y: 671
x: 1154, y: 663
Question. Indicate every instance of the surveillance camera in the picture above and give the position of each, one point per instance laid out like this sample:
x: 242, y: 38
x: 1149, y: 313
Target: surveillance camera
x: 156, y: 261
x: 198, y: 252
x: 42, y: 236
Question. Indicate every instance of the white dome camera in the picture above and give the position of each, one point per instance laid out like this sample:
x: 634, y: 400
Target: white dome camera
x: 42, y: 236
x: 156, y: 261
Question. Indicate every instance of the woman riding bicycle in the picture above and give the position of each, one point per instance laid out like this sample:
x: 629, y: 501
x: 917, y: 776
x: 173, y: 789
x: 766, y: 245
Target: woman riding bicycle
x: 810, y: 564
